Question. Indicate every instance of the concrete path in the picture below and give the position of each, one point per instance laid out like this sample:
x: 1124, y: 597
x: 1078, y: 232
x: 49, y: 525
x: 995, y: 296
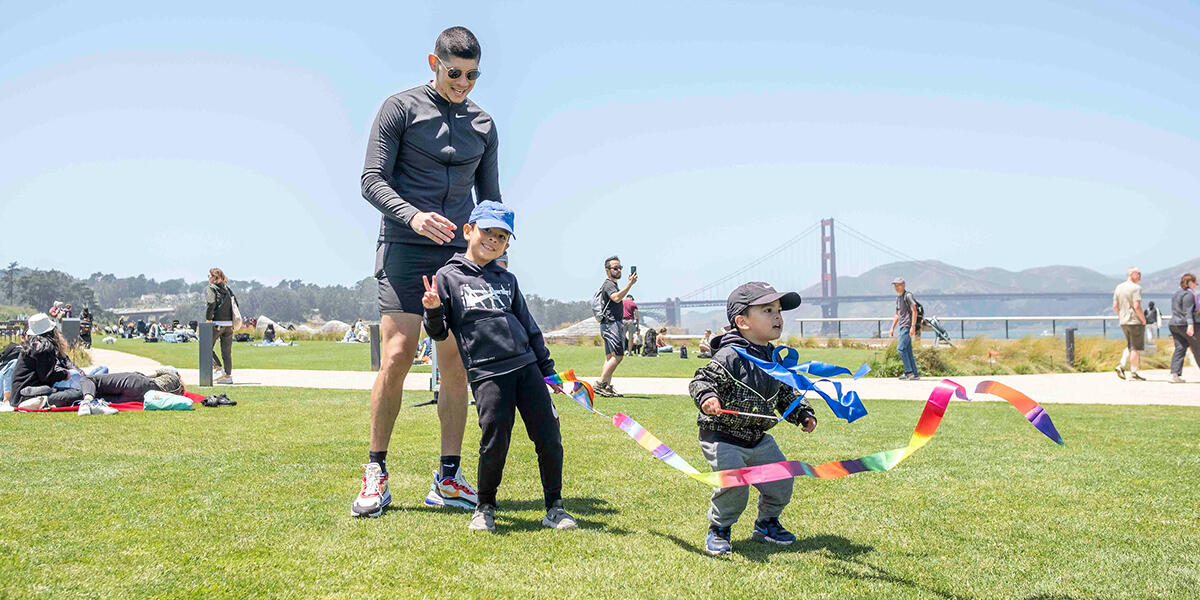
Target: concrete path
x: 1068, y: 388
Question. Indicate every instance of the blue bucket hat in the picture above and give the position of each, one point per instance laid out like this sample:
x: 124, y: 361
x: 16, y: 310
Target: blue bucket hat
x: 490, y: 213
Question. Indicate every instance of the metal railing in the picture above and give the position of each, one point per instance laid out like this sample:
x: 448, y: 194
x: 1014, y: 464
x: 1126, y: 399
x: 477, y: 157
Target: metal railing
x: 962, y: 321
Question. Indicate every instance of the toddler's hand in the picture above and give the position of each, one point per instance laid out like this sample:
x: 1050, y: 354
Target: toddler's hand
x: 430, y: 299
x: 809, y: 424
x: 712, y: 406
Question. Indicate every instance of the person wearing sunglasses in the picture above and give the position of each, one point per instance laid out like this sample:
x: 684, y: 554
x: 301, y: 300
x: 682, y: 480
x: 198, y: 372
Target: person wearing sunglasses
x: 428, y: 147
x: 609, y: 299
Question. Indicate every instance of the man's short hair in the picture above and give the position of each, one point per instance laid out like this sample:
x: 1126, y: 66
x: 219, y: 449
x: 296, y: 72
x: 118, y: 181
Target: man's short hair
x: 610, y: 259
x: 457, y: 41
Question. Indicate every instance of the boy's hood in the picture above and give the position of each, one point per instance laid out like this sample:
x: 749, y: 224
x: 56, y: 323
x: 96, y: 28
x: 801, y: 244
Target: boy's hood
x: 734, y: 338
x: 464, y: 263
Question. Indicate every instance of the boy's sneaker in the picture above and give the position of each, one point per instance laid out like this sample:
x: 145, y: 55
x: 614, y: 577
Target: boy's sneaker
x: 769, y: 530
x: 1136, y: 376
x: 451, y: 491
x: 557, y: 518
x: 484, y: 519
x: 1120, y: 371
x: 374, y: 494
x: 717, y: 541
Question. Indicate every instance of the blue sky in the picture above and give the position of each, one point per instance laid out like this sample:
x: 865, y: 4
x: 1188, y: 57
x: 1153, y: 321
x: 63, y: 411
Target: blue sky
x: 164, y: 140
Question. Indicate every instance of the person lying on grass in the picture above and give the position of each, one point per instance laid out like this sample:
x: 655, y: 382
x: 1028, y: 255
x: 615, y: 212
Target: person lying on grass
x: 731, y: 441
x: 505, y: 356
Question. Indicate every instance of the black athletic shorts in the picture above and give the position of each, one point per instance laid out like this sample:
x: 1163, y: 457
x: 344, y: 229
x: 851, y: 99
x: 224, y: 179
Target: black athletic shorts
x: 614, y: 338
x: 399, y: 268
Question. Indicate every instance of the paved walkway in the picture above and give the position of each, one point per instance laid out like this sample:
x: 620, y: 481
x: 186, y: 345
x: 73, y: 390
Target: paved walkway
x: 1068, y: 388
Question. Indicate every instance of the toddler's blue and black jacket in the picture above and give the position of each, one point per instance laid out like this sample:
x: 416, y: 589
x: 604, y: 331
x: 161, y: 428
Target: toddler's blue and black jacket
x: 485, y: 310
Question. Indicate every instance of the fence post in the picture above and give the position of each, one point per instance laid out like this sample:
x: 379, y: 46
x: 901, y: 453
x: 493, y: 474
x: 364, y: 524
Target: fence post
x: 1053, y: 330
x: 206, y: 349
x: 839, y: 330
x: 879, y: 329
x: 70, y: 330
x: 801, y: 327
x: 375, y: 352
x: 962, y: 329
x: 1104, y: 327
x: 1006, y: 329
x: 1070, y: 331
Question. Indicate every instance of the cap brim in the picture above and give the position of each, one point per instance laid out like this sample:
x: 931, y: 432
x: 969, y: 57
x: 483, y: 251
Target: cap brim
x: 489, y: 223
x: 787, y: 300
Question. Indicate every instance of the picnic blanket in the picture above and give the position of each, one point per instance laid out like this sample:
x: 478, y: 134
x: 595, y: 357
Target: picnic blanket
x: 122, y: 406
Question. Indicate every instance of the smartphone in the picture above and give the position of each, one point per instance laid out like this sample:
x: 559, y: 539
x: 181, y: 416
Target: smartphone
x: 632, y: 270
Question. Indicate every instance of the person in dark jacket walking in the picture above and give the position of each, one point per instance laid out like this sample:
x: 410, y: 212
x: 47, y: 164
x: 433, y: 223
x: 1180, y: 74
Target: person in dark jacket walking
x: 505, y: 357
x: 731, y: 441
x: 429, y: 146
x: 1184, y: 325
x: 219, y: 299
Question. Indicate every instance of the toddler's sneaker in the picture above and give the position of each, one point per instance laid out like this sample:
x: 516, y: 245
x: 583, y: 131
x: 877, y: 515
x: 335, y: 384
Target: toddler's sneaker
x: 557, y: 518
x: 484, y: 519
x: 374, y: 494
x: 717, y: 541
x: 769, y: 530
x: 451, y: 491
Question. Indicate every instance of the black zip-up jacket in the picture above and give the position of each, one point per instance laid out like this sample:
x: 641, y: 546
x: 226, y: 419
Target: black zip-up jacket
x: 491, y: 323
x: 424, y: 155
x: 743, y: 387
x: 38, y: 364
x: 1184, y: 309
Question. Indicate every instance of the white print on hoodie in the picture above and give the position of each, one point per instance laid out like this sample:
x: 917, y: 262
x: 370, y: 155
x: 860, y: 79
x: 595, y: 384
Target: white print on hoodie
x: 485, y: 297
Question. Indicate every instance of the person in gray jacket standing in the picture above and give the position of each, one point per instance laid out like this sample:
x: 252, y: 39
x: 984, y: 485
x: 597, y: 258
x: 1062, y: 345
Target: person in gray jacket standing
x: 428, y: 148
x: 1184, y: 325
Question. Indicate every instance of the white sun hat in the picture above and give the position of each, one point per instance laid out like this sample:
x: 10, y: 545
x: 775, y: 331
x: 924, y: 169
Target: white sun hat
x: 40, y: 323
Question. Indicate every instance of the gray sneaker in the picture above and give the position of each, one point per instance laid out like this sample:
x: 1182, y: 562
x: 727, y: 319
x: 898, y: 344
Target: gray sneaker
x: 557, y: 518
x: 1176, y: 379
x: 484, y: 518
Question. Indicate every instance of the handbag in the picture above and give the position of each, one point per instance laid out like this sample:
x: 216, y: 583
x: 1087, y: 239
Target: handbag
x: 237, y: 312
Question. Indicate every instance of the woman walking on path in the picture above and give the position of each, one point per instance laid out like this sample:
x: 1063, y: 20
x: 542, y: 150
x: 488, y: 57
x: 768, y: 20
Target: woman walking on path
x: 1183, y: 325
x: 220, y: 301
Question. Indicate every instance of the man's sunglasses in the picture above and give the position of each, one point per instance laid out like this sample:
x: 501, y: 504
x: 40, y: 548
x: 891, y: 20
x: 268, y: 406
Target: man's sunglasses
x: 617, y: 268
x: 455, y: 72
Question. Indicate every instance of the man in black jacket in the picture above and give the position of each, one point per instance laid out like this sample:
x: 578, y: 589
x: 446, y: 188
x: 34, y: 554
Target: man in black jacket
x: 429, y: 146
x: 505, y: 356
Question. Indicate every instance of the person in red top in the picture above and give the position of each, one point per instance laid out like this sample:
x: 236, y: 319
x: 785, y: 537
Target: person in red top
x: 631, y: 319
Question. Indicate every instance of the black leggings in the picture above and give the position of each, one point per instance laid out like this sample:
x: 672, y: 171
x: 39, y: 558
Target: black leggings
x: 497, y: 399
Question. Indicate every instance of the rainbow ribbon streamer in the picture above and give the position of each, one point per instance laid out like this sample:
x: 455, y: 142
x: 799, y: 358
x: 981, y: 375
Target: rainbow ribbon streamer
x: 783, y: 367
x: 926, y: 427
x: 581, y: 392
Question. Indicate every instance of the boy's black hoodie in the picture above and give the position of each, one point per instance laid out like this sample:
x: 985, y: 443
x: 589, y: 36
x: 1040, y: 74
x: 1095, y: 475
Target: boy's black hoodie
x: 743, y: 387
x: 491, y: 323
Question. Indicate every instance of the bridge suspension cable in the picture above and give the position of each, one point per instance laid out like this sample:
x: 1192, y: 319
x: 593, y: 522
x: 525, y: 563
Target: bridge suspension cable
x: 928, y: 264
x: 724, y: 281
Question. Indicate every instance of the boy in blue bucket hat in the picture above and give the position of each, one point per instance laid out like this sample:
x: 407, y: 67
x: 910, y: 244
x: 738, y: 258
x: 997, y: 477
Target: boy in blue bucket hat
x: 505, y: 356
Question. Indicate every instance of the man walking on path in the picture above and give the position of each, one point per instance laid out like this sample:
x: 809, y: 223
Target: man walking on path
x: 631, y: 319
x: 610, y: 324
x: 429, y: 146
x: 1127, y: 303
x: 908, y: 320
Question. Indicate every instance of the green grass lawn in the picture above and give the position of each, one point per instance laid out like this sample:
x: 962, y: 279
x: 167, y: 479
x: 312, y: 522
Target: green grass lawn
x: 253, y: 501
x: 586, y: 360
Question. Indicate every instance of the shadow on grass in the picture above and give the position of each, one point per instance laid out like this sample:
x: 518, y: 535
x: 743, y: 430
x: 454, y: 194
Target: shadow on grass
x: 580, y: 508
x: 840, y: 549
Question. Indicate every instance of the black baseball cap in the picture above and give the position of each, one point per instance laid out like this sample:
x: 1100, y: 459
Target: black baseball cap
x: 755, y: 293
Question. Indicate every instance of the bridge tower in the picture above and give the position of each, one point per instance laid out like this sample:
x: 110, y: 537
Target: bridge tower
x: 829, y: 310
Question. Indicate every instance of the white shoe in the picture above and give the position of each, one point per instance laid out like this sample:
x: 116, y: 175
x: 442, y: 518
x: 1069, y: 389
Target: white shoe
x: 85, y: 408
x: 451, y: 491
x: 101, y: 407
x: 1176, y: 379
x: 374, y: 494
x: 226, y: 380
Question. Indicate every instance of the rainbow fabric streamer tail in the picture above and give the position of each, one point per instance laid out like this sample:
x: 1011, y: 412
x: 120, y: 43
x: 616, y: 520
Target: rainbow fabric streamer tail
x: 784, y: 368
x: 581, y: 391
x: 931, y: 417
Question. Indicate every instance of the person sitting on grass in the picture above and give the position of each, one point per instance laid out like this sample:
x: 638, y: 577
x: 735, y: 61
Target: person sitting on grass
x: 41, y: 363
x: 505, y: 356
x: 730, y: 441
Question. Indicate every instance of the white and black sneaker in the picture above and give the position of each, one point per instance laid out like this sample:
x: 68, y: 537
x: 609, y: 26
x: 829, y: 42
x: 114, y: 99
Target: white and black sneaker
x: 557, y: 518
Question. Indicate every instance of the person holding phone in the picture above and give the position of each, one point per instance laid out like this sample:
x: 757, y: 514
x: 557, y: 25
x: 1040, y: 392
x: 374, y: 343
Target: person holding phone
x: 610, y: 326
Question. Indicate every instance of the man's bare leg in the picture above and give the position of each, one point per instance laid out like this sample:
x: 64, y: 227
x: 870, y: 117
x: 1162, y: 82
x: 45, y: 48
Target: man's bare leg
x: 610, y: 366
x: 452, y: 399
x: 398, y: 346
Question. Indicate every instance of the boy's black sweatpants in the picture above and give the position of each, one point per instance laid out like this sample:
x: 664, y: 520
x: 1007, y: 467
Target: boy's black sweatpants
x: 497, y: 399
